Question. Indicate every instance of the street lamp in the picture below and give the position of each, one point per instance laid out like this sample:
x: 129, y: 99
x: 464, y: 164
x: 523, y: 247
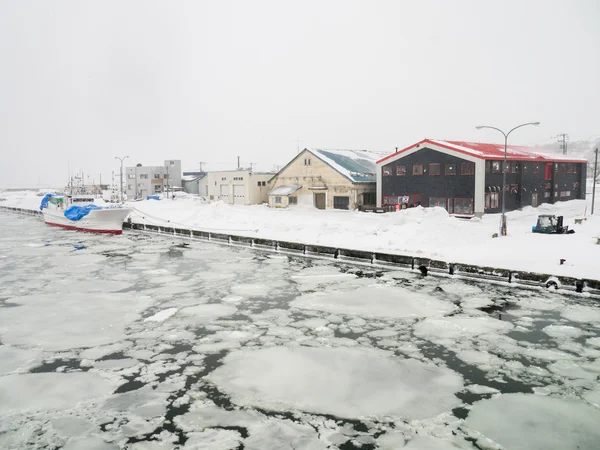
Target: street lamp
x: 503, y: 220
x: 121, y: 159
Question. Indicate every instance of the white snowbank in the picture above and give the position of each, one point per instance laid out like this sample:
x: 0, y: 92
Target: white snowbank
x: 346, y: 382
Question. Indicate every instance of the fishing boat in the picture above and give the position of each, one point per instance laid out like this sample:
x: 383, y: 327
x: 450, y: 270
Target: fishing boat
x: 80, y: 213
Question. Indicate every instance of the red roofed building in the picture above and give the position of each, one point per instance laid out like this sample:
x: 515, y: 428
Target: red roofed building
x: 465, y: 178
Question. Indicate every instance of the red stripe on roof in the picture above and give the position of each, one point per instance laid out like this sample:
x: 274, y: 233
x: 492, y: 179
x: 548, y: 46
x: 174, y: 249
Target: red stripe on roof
x: 493, y: 152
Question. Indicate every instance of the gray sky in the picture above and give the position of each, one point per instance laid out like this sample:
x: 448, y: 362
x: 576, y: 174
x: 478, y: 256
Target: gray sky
x: 84, y: 81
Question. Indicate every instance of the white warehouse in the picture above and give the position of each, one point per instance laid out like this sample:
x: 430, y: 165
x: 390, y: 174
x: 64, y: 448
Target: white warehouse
x: 239, y: 187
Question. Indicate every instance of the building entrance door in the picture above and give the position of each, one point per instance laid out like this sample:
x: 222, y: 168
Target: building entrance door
x: 534, y: 199
x: 320, y: 201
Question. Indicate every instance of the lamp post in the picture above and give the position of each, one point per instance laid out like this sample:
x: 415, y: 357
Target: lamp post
x: 121, y: 186
x: 503, y: 230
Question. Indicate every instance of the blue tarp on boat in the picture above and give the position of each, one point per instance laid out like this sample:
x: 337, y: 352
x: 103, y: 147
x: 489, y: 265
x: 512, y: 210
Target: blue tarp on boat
x: 152, y: 197
x: 79, y: 212
x: 45, y: 201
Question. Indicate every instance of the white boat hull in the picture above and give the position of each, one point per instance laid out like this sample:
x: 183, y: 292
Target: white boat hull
x: 97, y: 221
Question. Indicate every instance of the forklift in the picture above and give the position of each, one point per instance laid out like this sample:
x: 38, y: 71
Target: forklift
x: 549, y: 224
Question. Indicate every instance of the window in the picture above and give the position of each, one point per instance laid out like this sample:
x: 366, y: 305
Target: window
x: 277, y: 199
x: 437, y: 201
x: 450, y: 169
x: 400, y: 171
x: 387, y: 171
x: 434, y: 169
x: 258, y: 183
x: 467, y: 168
x: 369, y: 198
x: 341, y: 202
x: 143, y: 176
x: 307, y: 161
x: 292, y: 200
x: 157, y: 176
x: 463, y: 206
x: 491, y: 200
x: 565, y: 194
x: 546, y: 194
x: 575, y: 186
x: 417, y: 169
x: 165, y: 176
x: 157, y: 188
x: 496, y: 166
x: 261, y: 183
x: 570, y: 168
x: 488, y: 166
x: 514, y: 167
x: 536, y: 168
x: 129, y: 187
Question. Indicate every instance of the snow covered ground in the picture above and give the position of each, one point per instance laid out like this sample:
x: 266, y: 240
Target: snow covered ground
x: 427, y: 232
x: 140, y: 342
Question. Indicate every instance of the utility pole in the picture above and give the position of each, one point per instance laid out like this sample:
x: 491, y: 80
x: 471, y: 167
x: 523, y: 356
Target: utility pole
x: 238, y: 166
x: 563, y: 139
x: 594, y: 188
x: 121, y: 172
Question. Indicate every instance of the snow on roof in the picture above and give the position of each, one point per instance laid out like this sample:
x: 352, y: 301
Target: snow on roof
x: 284, y: 190
x: 496, y: 151
x: 356, y: 165
x: 192, y: 177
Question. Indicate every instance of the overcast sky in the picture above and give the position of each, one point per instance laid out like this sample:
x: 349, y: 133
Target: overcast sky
x: 84, y: 81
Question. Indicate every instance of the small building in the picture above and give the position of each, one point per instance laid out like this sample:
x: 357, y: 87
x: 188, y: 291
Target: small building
x: 141, y: 181
x: 195, y: 183
x: 238, y: 187
x: 465, y: 178
x: 323, y: 178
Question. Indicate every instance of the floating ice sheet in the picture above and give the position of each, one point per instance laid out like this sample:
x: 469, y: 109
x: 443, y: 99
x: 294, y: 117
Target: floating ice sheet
x: 50, y: 391
x: 376, y: 301
x: 346, y: 382
x: 535, y: 422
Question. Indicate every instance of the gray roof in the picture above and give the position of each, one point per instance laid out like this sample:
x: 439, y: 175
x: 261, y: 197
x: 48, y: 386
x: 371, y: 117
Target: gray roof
x: 356, y: 165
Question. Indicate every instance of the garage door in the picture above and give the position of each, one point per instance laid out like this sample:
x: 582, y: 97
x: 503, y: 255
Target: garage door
x: 224, y: 193
x: 238, y: 194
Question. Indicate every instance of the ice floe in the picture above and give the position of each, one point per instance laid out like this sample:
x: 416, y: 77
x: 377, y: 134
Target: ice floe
x: 536, y: 422
x: 346, y: 382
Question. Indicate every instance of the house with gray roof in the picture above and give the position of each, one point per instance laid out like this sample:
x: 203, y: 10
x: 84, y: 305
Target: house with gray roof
x: 326, y: 178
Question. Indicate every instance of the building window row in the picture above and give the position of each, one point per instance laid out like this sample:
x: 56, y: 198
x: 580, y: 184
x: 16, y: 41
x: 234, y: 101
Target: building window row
x: 565, y: 193
x: 434, y: 169
x: 261, y: 183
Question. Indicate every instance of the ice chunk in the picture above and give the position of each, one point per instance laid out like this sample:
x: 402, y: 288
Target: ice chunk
x: 161, y: 316
x: 459, y: 327
x: 208, y: 312
x: 71, y: 426
x: 376, y: 301
x: 346, y: 382
x: 536, y: 422
x: 213, y: 440
x: 16, y: 359
x: 70, y: 320
x: 580, y: 313
x: 562, y: 331
x: 283, y: 435
x: 89, y: 443
x: 60, y: 391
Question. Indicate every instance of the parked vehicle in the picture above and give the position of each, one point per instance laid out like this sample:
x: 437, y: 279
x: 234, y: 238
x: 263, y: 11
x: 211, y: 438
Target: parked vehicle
x: 549, y: 224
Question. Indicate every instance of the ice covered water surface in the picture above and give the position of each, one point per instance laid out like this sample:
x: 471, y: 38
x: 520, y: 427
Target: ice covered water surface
x: 345, y: 382
x: 535, y: 422
x: 376, y: 301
